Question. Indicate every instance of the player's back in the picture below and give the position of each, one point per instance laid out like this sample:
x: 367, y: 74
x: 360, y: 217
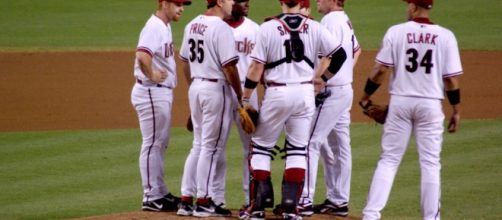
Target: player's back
x: 274, y: 44
x: 207, y: 46
x: 423, y: 54
x: 338, y: 23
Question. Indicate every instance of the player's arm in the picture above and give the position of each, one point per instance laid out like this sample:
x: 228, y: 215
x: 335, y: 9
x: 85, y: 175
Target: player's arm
x: 452, y: 89
x: 146, y: 66
x: 232, y: 75
x: 255, y: 72
x: 336, y: 62
x: 357, y: 53
x: 186, y: 71
x: 375, y: 79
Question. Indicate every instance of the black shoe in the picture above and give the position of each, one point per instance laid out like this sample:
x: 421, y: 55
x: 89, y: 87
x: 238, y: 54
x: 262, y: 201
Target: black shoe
x: 291, y: 216
x: 167, y: 203
x: 185, y: 209
x: 327, y: 207
x: 306, y: 209
x: 210, y: 210
x: 278, y: 210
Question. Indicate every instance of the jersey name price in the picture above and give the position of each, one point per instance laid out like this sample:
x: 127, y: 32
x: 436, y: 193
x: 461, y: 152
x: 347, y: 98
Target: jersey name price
x: 197, y: 28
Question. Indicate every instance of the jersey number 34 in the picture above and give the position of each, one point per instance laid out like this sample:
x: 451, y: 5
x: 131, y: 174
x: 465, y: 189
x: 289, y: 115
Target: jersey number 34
x: 425, y: 62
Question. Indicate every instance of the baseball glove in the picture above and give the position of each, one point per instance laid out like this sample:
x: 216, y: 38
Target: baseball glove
x: 374, y: 111
x: 249, y: 118
x: 189, y: 125
x: 321, y: 97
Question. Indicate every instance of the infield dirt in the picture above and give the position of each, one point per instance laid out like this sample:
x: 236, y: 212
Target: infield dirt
x: 91, y: 90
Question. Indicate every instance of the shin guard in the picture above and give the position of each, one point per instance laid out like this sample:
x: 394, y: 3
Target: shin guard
x: 261, y: 190
x: 292, y: 186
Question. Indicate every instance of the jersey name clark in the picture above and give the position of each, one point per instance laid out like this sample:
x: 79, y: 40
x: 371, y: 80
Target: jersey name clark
x: 422, y: 38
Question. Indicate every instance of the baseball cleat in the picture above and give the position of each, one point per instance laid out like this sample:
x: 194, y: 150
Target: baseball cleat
x: 305, y: 209
x: 186, y: 209
x: 327, y: 207
x: 210, y: 210
x: 167, y: 203
x: 291, y: 216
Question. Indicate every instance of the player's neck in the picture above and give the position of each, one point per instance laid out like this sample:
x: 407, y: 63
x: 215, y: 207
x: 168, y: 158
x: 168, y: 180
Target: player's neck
x: 235, y: 21
x: 162, y: 17
x: 215, y: 11
x: 288, y: 10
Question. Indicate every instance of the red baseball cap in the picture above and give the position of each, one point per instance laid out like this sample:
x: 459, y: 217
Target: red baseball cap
x: 211, y: 1
x: 291, y: 1
x: 184, y: 2
x: 422, y: 3
x: 306, y: 3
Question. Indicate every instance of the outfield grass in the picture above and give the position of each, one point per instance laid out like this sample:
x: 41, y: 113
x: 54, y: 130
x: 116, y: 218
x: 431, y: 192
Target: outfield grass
x: 97, y: 24
x: 59, y: 175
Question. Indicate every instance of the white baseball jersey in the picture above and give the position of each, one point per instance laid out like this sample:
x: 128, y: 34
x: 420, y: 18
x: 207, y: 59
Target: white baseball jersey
x: 207, y: 60
x: 153, y: 105
x: 419, y: 50
x: 338, y: 23
x: 269, y: 49
x: 422, y: 54
x: 156, y: 39
x: 245, y: 40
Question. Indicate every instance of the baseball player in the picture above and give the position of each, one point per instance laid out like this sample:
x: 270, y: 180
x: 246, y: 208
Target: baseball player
x: 152, y: 98
x: 285, y: 49
x: 210, y: 64
x: 332, y: 121
x: 425, y: 62
x: 244, y: 33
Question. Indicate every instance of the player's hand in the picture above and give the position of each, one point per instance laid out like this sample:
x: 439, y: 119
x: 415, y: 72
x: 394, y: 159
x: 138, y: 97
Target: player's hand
x: 159, y: 76
x: 318, y: 84
x: 454, y: 122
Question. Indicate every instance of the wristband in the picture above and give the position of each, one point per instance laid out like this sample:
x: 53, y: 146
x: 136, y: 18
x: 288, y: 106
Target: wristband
x: 370, y: 87
x: 250, y: 84
x: 324, y: 78
x: 453, y: 96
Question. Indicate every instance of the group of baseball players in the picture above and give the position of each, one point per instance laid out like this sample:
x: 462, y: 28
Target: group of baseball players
x: 306, y: 68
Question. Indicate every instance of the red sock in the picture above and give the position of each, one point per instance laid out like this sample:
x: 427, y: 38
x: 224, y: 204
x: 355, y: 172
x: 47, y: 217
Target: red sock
x: 294, y: 175
x: 261, y: 175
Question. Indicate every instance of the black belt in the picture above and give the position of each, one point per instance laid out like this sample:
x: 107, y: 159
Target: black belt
x: 139, y: 81
x: 206, y: 79
x: 274, y: 84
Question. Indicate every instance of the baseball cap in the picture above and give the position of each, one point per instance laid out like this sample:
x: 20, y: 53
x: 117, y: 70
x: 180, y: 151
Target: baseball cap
x: 184, y: 2
x: 422, y: 3
x: 306, y: 3
x: 291, y: 1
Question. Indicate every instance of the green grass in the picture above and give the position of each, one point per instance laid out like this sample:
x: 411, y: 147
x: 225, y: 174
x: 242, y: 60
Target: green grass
x: 60, y: 175
x: 111, y: 25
